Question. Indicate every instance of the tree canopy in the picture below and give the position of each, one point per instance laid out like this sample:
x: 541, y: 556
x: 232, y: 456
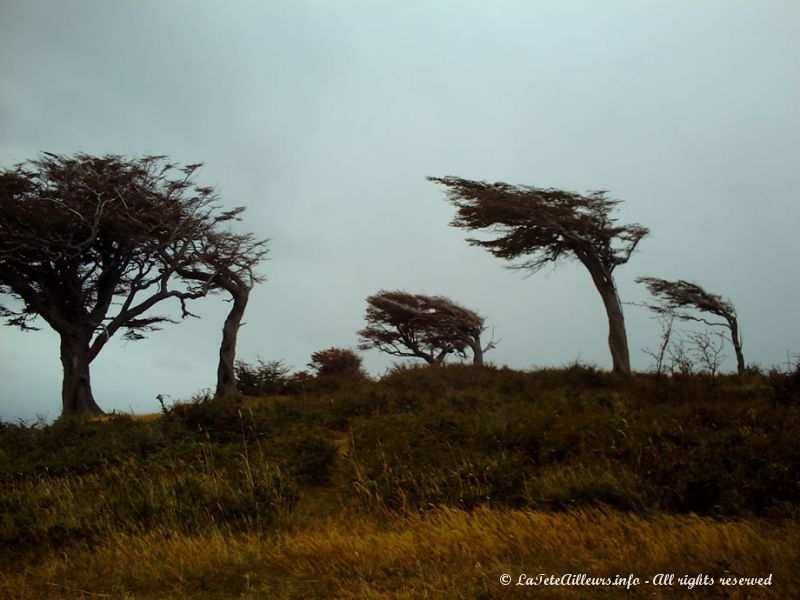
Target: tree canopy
x: 226, y: 261
x: 545, y: 225
x: 427, y: 327
x: 681, y: 298
x: 91, y: 244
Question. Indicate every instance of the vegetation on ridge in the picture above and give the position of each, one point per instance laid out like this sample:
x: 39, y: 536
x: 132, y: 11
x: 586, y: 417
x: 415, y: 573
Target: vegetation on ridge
x: 423, y: 481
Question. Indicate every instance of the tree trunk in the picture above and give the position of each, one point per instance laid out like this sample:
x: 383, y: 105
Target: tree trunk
x: 438, y: 360
x: 477, y: 354
x: 226, y: 373
x: 737, y: 346
x: 617, y: 337
x: 76, y: 389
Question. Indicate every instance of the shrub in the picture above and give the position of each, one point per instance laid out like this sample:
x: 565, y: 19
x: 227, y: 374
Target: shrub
x: 263, y: 378
x: 336, y: 361
x: 307, y: 454
x: 185, y: 496
x: 786, y: 382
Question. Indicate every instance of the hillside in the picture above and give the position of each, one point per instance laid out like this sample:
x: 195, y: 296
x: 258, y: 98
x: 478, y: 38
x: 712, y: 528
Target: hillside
x: 432, y: 482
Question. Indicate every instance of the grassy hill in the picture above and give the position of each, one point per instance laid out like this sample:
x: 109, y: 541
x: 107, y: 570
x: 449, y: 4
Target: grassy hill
x: 432, y: 482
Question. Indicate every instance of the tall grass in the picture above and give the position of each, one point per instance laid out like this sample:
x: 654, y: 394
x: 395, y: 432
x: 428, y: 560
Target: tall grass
x: 553, y: 440
x: 428, y: 483
x: 446, y: 553
x: 50, y: 513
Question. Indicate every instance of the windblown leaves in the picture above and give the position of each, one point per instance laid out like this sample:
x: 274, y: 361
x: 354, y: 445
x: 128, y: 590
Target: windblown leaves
x: 416, y: 325
x: 544, y: 224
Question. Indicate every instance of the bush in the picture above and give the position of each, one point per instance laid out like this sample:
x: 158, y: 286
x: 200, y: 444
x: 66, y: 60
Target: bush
x: 187, y: 496
x: 336, y: 362
x: 421, y: 437
x: 262, y: 379
x: 710, y: 445
x: 80, y: 446
x: 308, y: 454
x: 786, y: 382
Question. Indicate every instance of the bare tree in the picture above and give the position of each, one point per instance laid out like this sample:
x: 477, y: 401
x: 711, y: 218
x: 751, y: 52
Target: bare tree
x: 426, y: 327
x: 680, y: 361
x: 683, y: 297
x: 547, y: 225
x: 707, y: 348
x: 667, y: 322
x: 226, y: 261
x: 91, y: 244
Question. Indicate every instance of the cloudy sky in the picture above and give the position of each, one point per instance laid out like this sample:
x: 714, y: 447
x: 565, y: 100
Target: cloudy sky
x: 324, y: 118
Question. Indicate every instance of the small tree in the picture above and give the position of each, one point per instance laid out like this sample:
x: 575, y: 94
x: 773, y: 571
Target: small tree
x: 335, y: 361
x: 226, y: 261
x: 90, y: 244
x: 548, y: 225
x: 667, y: 323
x: 683, y: 297
x: 707, y: 347
x: 681, y: 362
x: 426, y: 327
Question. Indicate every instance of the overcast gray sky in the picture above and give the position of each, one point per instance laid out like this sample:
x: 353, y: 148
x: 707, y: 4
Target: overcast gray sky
x: 324, y: 118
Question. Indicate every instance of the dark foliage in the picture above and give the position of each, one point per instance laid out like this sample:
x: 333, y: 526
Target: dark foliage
x: 684, y: 300
x: 421, y: 437
x: 336, y: 362
x: 421, y: 326
x: 92, y: 244
x: 546, y: 225
x: 263, y: 378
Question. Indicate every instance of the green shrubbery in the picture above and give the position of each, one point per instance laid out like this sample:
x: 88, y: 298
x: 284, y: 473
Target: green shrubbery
x: 554, y: 439
x: 44, y: 511
x: 74, y: 446
x: 421, y: 437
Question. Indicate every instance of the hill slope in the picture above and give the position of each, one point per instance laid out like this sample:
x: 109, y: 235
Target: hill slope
x: 429, y: 483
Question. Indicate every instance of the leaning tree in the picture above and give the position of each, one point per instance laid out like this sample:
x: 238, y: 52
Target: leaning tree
x: 427, y: 327
x: 680, y: 298
x: 226, y: 261
x: 546, y: 225
x: 91, y: 244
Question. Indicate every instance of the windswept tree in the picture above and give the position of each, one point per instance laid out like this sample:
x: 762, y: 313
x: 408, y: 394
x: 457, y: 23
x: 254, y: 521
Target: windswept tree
x: 92, y: 244
x: 226, y: 261
x: 547, y: 225
x: 420, y: 326
x: 685, y: 299
x: 463, y: 324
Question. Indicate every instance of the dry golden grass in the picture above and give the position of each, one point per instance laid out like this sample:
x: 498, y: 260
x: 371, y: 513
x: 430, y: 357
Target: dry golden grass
x: 446, y: 553
x: 291, y: 497
x: 135, y: 417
